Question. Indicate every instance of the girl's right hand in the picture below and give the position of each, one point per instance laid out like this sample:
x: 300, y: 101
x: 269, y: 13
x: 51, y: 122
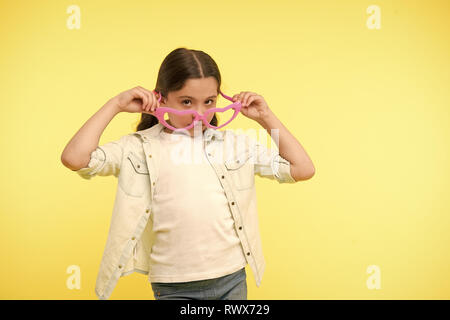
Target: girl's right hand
x: 137, y: 99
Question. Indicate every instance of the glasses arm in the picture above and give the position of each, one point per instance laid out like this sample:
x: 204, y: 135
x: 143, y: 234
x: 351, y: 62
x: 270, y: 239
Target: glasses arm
x: 156, y: 92
x: 225, y: 96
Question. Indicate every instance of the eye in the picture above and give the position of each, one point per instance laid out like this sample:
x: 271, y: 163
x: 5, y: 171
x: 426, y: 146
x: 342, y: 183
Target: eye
x: 183, y: 102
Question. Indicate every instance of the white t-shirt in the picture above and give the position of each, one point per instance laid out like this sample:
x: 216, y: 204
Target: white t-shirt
x: 195, y: 236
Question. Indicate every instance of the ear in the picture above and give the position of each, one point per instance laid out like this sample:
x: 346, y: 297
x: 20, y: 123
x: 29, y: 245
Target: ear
x: 163, y: 99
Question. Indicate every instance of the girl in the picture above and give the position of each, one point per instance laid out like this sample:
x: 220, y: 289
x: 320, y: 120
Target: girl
x: 191, y: 227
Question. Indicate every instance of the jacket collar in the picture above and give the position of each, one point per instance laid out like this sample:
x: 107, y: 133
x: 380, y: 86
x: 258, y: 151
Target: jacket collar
x: 153, y: 133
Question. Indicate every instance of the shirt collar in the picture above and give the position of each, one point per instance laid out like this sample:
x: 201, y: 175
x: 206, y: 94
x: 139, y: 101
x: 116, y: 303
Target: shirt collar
x: 155, y: 130
x: 212, y: 133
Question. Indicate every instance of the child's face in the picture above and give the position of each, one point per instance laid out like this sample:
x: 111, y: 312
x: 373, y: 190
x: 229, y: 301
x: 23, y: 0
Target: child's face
x: 197, y: 94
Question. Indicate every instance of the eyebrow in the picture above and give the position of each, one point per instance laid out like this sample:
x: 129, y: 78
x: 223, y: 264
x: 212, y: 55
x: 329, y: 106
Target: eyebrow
x: 194, y: 98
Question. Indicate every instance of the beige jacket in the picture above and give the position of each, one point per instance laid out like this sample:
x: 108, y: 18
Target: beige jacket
x: 134, y: 159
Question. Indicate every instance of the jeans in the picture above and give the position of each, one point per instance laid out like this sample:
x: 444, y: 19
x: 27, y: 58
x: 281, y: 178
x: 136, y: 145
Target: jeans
x: 229, y: 287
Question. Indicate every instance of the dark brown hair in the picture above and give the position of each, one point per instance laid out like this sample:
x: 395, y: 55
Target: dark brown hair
x: 178, y: 66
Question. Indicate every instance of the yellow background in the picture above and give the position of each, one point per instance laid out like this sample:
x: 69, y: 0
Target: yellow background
x: 370, y: 107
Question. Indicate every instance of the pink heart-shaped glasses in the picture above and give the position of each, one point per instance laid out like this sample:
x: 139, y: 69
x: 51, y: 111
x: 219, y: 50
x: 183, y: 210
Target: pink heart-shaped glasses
x: 161, y: 111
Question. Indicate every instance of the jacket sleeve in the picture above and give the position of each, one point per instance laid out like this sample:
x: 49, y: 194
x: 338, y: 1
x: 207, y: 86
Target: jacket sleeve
x: 269, y: 164
x: 105, y: 160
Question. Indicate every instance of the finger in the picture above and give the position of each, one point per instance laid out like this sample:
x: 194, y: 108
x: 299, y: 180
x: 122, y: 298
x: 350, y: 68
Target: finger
x: 244, y: 98
x: 154, y: 99
x: 152, y: 102
x: 144, y: 98
x: 240, y: 96
x: 149, y: 101
x: 149, y: 97
x: 157, y: 97
x: 247, y: 95
x: 250, y: 100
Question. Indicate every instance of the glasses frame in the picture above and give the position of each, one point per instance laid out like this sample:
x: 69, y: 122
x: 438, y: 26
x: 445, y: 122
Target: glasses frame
x: 159, y: 113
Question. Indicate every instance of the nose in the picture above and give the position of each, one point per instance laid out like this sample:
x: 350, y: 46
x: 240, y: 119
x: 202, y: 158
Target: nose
x: 200, y: 110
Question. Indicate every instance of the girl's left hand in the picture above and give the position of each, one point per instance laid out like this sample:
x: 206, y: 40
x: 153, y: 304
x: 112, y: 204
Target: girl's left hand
x: 253, y: 105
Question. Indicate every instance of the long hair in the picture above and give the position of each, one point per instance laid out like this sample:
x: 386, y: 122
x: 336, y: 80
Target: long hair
x: 177, y: 67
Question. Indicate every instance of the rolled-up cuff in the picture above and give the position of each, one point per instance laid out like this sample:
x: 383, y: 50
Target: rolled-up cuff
x: 281, y: 169
x: 95, y: 164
